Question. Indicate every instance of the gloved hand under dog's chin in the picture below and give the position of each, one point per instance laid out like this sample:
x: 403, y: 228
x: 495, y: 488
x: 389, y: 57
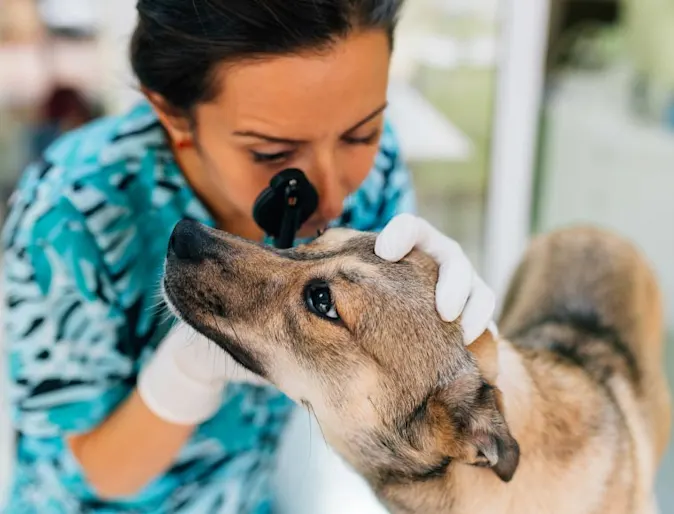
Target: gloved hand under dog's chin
x: 201, y: 358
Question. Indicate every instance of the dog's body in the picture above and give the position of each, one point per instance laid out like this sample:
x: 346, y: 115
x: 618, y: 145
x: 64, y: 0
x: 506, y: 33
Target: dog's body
x: 584, y: 315
x: 567, y: 413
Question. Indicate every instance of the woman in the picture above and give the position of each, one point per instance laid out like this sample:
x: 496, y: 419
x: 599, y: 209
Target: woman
x: 110, y: 414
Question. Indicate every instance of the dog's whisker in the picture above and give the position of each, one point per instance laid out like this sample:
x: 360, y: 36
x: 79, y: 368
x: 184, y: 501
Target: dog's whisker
x: 158, y: 296
x: 162, y: 312
x: 212, y: 343
x: 238, y: 339
x: 307, y: 467
x: 236, y: 336
x: 313, y: 413
x: 167, y: 316
x: 159, y: 307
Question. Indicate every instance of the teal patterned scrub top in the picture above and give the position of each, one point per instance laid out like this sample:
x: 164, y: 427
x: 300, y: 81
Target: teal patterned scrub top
x: 84, y: 245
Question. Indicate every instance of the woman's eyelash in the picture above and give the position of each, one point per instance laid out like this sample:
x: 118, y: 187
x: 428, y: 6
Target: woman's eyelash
x: 279, y: 156
x: 362, y: 140
x: 270, y: 157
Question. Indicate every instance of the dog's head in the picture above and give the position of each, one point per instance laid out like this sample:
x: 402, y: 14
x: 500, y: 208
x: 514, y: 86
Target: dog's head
x: 354, y: 338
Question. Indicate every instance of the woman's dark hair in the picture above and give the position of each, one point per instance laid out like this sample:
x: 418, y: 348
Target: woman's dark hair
x: 178, y: 43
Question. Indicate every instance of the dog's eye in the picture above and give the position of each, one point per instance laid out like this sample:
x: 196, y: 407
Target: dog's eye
x: 319, y: 300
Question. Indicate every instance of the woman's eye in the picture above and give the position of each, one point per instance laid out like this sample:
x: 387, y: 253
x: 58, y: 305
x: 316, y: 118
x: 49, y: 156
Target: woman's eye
x: 367, y: 140
x: 319, y: 300
x: 270, y: 157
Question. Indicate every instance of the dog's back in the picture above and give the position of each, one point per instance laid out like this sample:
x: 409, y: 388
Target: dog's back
x: 588, y: 300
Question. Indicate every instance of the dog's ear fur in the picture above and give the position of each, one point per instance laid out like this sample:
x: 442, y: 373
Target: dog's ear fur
x: 485, y: 353
x: 469, y: 416
x: 474, y: 430
x: 501, y: 453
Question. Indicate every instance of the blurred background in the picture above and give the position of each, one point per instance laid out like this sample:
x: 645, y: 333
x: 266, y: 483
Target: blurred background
x: 515, y: 117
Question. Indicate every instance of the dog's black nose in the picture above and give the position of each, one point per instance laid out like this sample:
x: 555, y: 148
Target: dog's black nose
x: 189, y: 241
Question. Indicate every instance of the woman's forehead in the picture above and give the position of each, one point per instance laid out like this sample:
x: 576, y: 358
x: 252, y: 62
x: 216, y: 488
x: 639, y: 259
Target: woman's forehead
x: 293, y: 93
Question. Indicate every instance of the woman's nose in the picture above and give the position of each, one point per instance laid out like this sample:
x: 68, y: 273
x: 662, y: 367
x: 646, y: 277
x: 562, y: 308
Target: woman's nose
x: 331, y: 193
x: 330, y: 206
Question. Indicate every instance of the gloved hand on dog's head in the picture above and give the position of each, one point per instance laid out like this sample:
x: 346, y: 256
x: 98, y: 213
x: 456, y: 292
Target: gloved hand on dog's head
x: 460, y: 291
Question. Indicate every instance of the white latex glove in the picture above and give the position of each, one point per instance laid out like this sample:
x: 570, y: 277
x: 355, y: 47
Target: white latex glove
x: 460, y: 291
x: 184, y: 381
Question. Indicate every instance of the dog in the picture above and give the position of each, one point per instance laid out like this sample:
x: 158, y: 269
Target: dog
x: 567, y: 411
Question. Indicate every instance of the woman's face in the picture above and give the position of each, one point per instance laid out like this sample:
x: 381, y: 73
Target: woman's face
x: 321, y: 113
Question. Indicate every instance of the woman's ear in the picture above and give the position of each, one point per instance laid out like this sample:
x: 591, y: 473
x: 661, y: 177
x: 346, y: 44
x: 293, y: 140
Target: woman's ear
x: 176, y: 121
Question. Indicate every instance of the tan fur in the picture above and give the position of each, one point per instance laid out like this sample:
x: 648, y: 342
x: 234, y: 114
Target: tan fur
x: 568, y: 412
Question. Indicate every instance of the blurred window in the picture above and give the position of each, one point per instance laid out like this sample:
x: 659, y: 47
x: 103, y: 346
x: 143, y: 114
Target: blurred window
x: 442, y: 94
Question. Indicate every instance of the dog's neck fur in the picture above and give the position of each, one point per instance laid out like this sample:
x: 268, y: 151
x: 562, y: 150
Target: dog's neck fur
x: 469, y: 488
x: 534, y: 422
x: 542, y: 429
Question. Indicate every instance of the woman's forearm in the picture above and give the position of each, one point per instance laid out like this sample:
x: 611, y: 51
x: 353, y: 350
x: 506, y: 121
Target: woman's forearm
x: 180, y: 387
x: 128, y: 450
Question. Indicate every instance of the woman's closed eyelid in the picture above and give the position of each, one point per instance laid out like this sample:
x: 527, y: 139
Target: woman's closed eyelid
x: 273, y: 157
x: 270, y: 157
x: 369, y: 138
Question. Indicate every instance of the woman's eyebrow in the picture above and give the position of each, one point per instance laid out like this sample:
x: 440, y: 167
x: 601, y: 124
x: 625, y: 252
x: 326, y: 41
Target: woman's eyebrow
x: 369, y: 117
x: 287, y: 141
x: 271, y: 139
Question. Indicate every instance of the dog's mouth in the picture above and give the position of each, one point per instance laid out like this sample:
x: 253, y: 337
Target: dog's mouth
x: 238, y: 353
x: 229, y: 344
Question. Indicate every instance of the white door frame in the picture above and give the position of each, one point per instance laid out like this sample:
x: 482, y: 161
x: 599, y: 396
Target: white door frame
x: 519, y: 88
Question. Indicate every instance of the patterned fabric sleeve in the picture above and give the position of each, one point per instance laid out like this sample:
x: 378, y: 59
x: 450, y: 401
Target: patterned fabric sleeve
x: 398, y: 193
x: 387, y: 191
x: 62, y: 330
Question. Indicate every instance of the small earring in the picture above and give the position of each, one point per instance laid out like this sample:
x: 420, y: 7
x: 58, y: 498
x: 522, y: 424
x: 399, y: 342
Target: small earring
x: 185, y: 143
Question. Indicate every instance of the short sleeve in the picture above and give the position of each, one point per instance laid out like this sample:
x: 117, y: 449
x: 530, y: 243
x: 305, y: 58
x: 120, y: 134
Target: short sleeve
x: 63, y: 329
x: 386, y: 192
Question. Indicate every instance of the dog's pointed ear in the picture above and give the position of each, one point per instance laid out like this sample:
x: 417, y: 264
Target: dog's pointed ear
x: 500, y: 452
x: 477, y: 433
x: 485, y: 352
